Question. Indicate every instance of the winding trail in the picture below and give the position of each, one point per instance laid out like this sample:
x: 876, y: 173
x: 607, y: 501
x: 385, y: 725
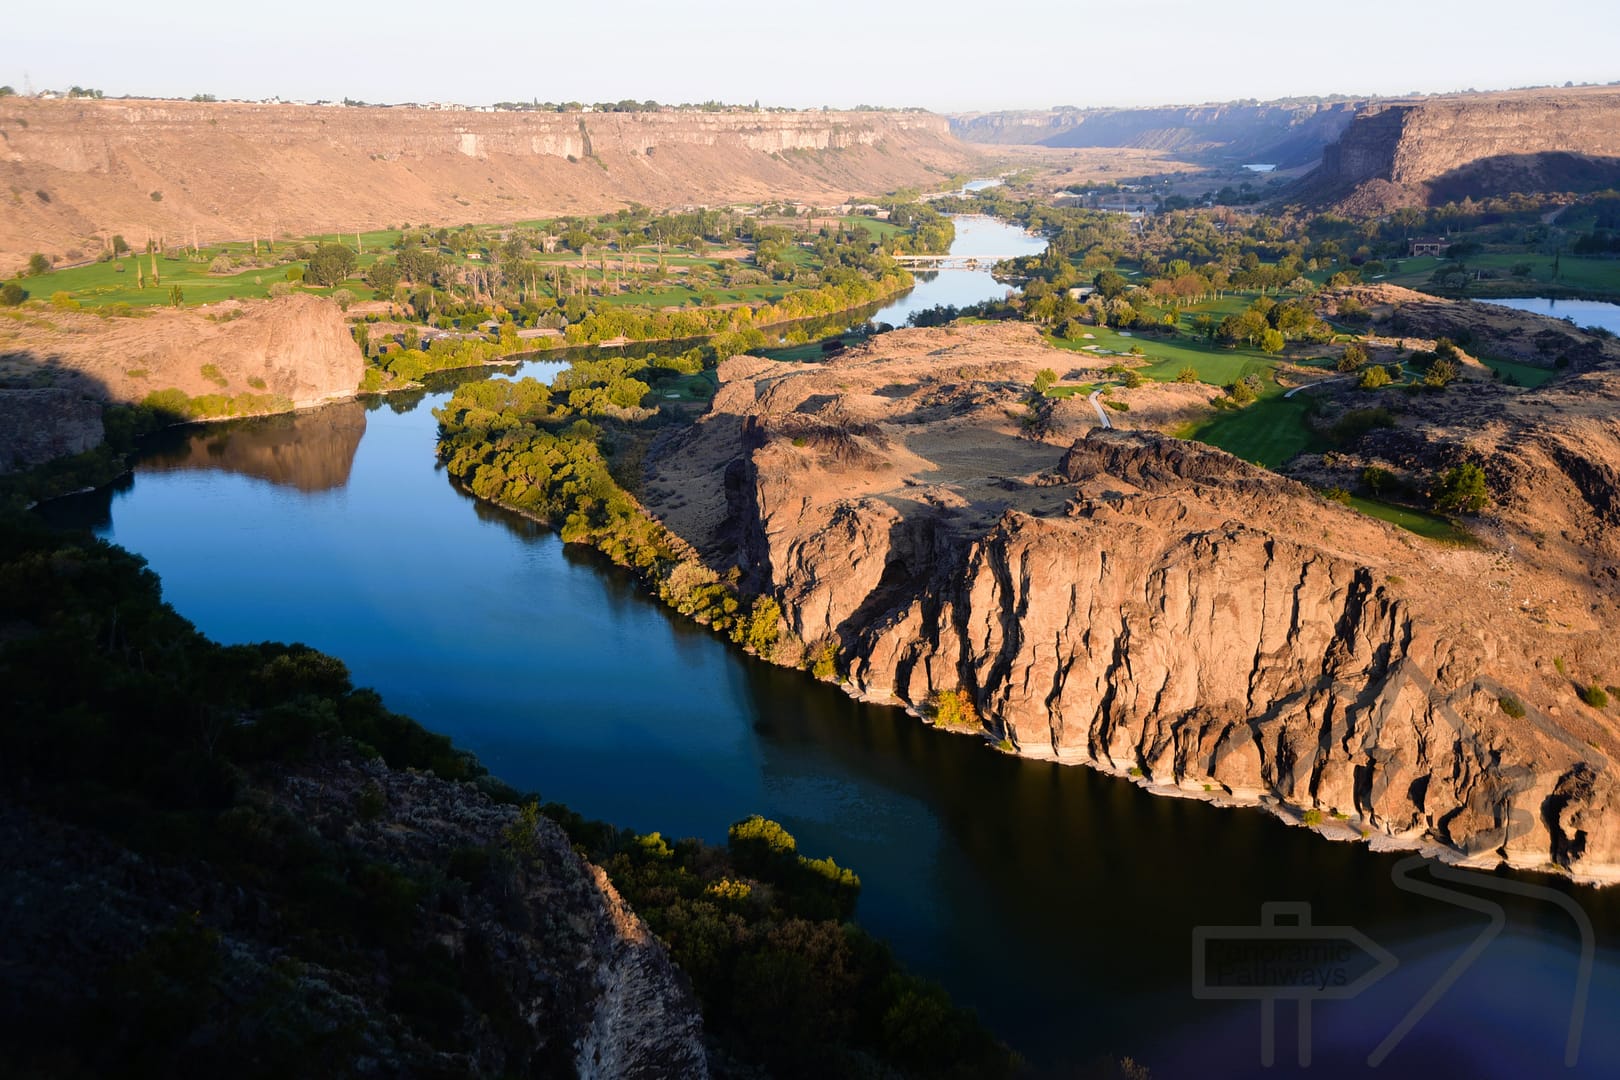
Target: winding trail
x: 1318, y: 382
x: 1101, y: 415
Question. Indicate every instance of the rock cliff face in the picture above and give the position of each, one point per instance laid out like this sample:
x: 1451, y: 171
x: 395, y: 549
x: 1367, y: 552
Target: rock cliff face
x: 1409, y: 153
x: 1153, y: 607
x: 1280, y: 133
x: 292, y: 352
x: 40, y: 425
x: 79, y: 171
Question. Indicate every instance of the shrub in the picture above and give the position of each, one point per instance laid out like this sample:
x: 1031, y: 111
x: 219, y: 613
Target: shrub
x: 1441, y: 372
x: 63, y: 301
x: 38, y: 264
x: 1133, y: 379
x: 1354, y: 357
x: 1595, y: 696
x: 822, y: 658
x: 12, y: 294
x: 1044, y: 379
x: 1511, y: 705
x: 1377, y: 479
x: 1313, y: 818
x: 1357, y: 422
x: 1188, y: 374
x: 157, y: 196
x: 954, y: 709
x: 1374, y: 377
x: 222, y: 264
x: 1461, y: 490
x: 1119, y: 406
x: 280, y: 289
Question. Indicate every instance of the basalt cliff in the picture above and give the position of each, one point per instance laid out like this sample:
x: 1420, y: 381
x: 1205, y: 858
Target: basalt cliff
x: 76, y: 172
x: 1153, y: 607
x: 1434, y: 150
x: 57, y: 367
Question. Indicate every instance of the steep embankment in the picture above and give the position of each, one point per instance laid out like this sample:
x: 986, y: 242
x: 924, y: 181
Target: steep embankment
x: 1149, y: 606
x: 1287, y: 134
x: 291, y: 352
x: 1438, y: 149
x: 77, y: 172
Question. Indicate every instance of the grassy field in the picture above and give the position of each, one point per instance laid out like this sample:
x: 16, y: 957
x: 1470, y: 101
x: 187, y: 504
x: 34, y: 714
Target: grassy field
x: 1421, y: 522
x: 1267, y: 432
x: 1215, y: 364
x: 1574, y: 272
x: 1522, y: 374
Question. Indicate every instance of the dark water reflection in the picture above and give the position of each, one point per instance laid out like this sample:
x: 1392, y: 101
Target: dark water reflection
x: 1058, y: 902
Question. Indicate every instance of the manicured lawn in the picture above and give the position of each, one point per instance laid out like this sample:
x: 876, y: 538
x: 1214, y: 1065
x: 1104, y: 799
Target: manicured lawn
x: 1215, y: 364
x: 1267, y: 432
x: 1421, y: 522
x: 1574, y: 271
x: 1522, y: 374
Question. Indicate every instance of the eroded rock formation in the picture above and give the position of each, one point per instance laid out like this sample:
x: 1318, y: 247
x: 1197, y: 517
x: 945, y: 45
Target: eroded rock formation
x: 1158, y: 608
x: 1443, y: 148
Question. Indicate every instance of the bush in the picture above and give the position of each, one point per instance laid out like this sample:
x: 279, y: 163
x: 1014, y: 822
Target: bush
x: 1357, y: 422
x: 1188, y: 374
x: 1377, y: 479
x: 12, y: 294
x: 1595, y: 696
x: 1511, y: 705
x: 1374, y: 377
x: 1313, y: 818
x: 38, y: 264
x: 822, y: 658
x: 1354, y: 357
x: 954, y: 709
x: 63, y: 301
x: 1461, y: 489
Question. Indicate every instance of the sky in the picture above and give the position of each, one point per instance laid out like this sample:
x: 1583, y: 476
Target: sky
x: 945, y: 55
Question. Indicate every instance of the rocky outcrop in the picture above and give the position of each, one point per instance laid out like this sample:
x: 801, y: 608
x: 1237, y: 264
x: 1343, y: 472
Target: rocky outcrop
x: 42, y: 424
x: 275, y: 355
x: 1286, y: 134
x: 84, y: 170
x: 565, y: 978
x: 1444, y: 148
x: 1160, y: 609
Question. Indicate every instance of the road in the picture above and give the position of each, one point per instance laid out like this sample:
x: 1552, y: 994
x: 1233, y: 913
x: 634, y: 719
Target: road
x: 1102, y: 414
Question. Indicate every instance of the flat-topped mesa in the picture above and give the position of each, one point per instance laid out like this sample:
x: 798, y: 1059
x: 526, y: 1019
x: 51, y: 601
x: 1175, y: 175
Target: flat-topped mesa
x: 1476, y: 145
x: 1150, y: 606
x: 233, y: 170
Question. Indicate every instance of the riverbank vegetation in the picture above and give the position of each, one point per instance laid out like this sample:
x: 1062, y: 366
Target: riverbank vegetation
x: 547, y: 452
x: 229, y: 933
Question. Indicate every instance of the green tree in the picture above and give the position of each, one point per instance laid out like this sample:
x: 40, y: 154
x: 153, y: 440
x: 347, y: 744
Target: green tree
x: 1044, y: 379
x: 176, y: 296
x: 1188, y: 374
x: 1461, y: 490
x: 1354, y: 357
x: 38, y: 264
x: 383, y: 276
x: 12, y: 294
x: 331, y: 264
x: 1110, y: 284
x: 1272, y: 341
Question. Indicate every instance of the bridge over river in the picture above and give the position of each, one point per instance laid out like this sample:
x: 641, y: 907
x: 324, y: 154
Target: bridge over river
x: 951, y: 262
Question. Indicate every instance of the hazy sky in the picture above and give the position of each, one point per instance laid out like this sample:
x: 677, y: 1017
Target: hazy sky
x: 944, y: 55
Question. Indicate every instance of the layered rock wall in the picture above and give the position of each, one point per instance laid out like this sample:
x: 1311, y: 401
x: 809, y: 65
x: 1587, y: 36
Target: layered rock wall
x: 80, y: 171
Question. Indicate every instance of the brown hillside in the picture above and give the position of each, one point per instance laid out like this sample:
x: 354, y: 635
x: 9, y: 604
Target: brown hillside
x: 75, y: 172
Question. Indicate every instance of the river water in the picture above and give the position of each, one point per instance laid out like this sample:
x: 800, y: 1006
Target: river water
x: 1582, y: 313
x: 1059, y: 903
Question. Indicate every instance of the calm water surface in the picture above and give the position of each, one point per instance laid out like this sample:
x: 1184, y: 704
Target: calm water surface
x: 1581, y: 312
x: 1057, y: 902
